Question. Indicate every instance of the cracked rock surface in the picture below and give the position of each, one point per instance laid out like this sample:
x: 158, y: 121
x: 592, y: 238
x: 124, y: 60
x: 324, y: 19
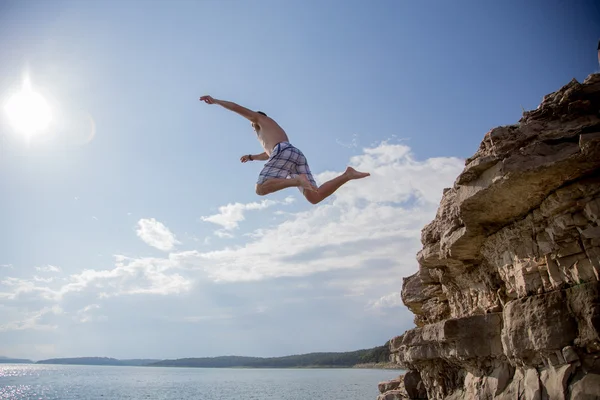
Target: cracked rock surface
x: 507, y: 295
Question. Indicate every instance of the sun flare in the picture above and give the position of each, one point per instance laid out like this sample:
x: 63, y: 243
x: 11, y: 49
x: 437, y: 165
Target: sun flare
x: 28, y: 111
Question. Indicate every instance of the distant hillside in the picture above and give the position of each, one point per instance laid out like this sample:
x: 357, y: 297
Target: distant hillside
x: 8, y: 360
x: 315, y: 360
x: 97, y: 361
x: 139, y: 362
x: 374, y: 356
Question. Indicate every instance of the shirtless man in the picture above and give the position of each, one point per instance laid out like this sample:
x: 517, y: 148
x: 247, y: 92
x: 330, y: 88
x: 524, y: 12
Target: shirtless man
x: 286, y: 166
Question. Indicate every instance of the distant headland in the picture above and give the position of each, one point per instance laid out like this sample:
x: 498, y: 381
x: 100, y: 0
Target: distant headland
x: 376, y: 357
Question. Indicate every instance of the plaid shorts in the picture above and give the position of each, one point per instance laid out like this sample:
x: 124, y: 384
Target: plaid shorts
x: 286, y: 161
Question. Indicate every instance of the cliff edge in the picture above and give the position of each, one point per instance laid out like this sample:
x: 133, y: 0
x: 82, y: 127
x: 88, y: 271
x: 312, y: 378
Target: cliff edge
x: 507, y: 296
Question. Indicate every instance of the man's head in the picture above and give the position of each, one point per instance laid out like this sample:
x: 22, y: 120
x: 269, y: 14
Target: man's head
x: 255, y: 125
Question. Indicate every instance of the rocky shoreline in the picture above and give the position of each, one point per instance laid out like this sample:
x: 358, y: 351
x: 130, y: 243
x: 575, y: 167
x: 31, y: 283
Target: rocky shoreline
x: 507, y: 295
x: 388, y: 365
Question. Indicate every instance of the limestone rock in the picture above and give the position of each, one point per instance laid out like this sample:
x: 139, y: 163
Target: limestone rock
x: 569, y: 354
x: 515, y: 389
x: 392, y: 395
x: 584, y: 302
x: 499, y: 378
x: 393, y: 384
x: 586, y: 388
x: 407, y: 386
x: 414, y: 386
x: 554, y: 381
x: 507, y: 294
x: 423, y: 299
x: 532, y: 385
x: 453, y: 339
x: 525, y: 384
x: 536, y: 325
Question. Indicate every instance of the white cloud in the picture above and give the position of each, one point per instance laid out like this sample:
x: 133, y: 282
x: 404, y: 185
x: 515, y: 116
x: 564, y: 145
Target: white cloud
x: 232, y: 214
x: 363, y: 240
x: 86, y: 314
x: 223, y: 234
x: 40, y: 279
x: 156, y: 234
x: 48, y: 268
x: 389, y: 301
x: 21, y: 286
x: 130, y: 276
x: 6, y: 266
x: 31, y: 321
x: 376, y: 218
x: 353, y: 143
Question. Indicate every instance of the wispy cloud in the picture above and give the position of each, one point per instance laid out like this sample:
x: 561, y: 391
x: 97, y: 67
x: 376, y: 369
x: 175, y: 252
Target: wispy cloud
x: 6, y: 266
x: 48, y: 268
x: 364, y: 221
x: 130, y: 276
x: 352, y: 144
x: 16, y: 287
x: 156, y: 234
x: 358, y: 244
x: 378, y: 218
x: 223, y: 234
x: 391, y: 300
x: 230, y: 215
x: 31, y: 321
x: 40, y: 279
x: 86, y: 314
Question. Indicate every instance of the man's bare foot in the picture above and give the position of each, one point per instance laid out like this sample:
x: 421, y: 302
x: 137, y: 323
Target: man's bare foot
x: 305, y: 183
x: 351, y: 173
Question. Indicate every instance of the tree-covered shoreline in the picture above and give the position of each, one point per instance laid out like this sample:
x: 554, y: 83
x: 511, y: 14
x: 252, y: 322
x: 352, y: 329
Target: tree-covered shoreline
x: 377, y: 357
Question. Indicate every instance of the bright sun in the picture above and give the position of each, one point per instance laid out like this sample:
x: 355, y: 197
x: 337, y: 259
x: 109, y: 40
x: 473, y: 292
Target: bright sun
x: 28, y: 112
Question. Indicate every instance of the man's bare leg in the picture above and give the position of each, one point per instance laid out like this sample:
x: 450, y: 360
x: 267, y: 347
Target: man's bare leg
x: 329, y: 187
x: 275, y: 184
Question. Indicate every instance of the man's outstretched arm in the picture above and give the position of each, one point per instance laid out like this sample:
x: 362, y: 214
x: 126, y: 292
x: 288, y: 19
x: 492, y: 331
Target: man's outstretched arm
x: 261, y: 157
x: 243, y: 111
x: 253, y: 157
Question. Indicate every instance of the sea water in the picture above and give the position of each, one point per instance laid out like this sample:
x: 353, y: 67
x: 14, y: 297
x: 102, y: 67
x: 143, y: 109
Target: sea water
x: 66, y: 382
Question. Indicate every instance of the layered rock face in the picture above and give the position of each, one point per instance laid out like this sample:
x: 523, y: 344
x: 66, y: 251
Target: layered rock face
x: 507, y: 296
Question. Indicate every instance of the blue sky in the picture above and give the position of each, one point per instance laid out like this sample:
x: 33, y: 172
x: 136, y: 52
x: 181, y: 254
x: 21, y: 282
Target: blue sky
x: 131, y: 229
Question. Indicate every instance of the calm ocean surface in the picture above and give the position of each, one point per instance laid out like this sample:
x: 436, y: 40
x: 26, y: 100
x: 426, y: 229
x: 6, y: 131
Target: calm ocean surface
x: 32, y: 381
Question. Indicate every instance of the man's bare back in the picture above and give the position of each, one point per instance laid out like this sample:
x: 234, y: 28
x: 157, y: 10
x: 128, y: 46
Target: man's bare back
x: 269, y: 133
x: 286, y: 165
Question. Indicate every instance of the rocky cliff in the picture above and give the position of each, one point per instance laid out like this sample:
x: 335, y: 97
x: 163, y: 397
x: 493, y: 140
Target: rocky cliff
x: 507, y: 295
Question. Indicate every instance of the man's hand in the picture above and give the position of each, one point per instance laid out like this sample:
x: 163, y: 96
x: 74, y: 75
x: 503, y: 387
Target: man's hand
x: 245, y: 158
x: 208, y: 100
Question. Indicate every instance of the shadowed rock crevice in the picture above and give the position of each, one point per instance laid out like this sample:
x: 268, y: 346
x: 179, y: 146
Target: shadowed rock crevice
x: 507, y: 294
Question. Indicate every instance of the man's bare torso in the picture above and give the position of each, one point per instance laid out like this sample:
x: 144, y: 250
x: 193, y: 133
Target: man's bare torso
x: 269, y: 133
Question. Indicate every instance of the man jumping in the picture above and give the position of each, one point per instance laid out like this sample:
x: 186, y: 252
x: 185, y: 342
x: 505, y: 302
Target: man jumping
x: 286, y: 166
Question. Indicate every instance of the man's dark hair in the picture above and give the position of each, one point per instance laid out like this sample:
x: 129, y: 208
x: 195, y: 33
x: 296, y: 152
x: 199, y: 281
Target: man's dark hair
x: 260, y: 112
